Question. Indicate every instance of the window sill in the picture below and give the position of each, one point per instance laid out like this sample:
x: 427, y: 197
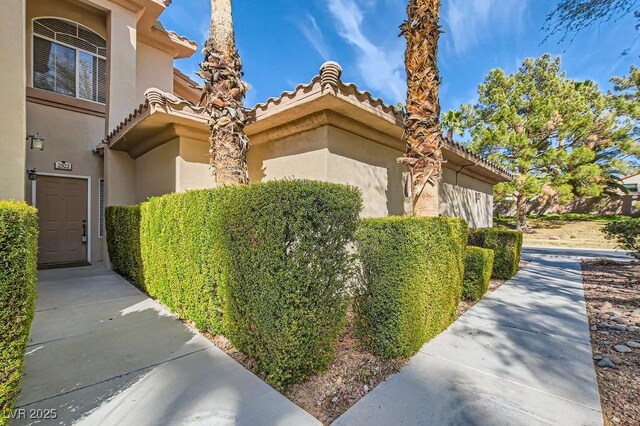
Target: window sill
x: 43, y: 97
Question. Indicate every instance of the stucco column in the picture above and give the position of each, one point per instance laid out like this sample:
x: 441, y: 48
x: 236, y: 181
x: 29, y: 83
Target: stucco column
x: 13, y: 105
x: 119, y: 168
x: 121, y: 102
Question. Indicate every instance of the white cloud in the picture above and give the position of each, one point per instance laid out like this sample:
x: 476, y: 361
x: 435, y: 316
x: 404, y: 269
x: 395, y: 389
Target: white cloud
x: 381, y: 69
x: 468, y: 22
x: 312, y: 32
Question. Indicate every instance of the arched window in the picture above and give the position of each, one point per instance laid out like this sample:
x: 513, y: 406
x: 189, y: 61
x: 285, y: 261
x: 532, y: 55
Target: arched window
x: 69, y: 59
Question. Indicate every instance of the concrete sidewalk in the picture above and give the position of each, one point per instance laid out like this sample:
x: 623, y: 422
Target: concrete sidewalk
x: 101, y: 352
x: 521, y: 356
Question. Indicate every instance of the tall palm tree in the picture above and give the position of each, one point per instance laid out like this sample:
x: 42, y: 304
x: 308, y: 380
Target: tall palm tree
x: 223, y: 95
x: 423, y: 134
x: 452, y: 124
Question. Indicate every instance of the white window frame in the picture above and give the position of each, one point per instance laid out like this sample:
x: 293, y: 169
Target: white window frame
x: 88, y: 179
x: 101, y: 209
x: 77, y: 49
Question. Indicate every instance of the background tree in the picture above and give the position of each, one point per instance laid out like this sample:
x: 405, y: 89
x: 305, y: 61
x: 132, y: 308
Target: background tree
x: 423, y: 154
x: 627, y: 96
x: 550, y: 131
x: 452, y: 124
x: 572, y: 16
x: 223, y: 95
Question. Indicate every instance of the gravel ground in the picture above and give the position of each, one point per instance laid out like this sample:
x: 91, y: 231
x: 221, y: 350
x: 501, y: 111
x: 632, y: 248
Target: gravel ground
x: 612, y: 291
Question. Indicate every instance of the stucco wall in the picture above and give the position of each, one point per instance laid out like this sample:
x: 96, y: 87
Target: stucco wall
x: 192, y: 167
x: 74, y: 145
x: 156, y: 171
x: 13, y: 106
x: 468, y: 198
x: 370, y: 166
x: 154, y: 69
x: 301, y: 156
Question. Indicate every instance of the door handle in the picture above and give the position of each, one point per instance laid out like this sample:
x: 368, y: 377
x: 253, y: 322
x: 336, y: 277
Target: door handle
x: 85, y: 239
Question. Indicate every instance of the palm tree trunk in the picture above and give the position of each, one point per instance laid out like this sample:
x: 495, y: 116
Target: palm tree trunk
x: 423, y: 135
x: 223, y: 94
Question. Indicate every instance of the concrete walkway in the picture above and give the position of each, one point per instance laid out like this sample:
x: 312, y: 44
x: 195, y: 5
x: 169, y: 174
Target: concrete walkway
x: 101, y: 352
x: 521, y: 356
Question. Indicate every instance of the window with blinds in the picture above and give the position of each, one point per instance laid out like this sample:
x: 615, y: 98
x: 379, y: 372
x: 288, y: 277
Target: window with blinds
x: 69, y: 59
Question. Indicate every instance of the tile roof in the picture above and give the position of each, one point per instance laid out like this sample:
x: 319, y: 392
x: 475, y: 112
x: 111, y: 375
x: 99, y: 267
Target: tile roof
x: 367, y: 98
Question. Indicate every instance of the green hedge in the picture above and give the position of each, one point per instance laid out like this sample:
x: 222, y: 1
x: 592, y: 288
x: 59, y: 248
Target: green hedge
x: 181, y: 237
x: 286, y: 296
x: 478, y: 264
x: 507, y: 247
x: 18, y: 273
x: 410, y: 282
x: 123, y: 241
x: 265, y: 264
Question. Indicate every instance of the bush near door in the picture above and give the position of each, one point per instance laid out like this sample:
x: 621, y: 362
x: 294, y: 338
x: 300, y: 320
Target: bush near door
x: 478, y: 264
x: 507, y: 247
x: 18, y: 273
x: 289, y: 265
x: 123, y: 241
x: 410, y: 282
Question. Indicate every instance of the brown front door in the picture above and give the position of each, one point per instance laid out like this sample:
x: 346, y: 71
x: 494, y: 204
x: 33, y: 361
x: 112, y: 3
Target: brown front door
x: 62, y: 208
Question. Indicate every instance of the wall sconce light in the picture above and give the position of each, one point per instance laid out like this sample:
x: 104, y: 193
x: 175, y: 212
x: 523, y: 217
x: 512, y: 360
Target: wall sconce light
x: 37, y: 141
x: 31, y: 174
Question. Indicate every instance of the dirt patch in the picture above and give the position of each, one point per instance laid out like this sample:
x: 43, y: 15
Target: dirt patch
x: 352, y: 374
x: 612, y: 291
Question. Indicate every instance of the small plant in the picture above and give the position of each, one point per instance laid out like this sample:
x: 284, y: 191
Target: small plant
x: 478, y: 264
x: 626, y: 233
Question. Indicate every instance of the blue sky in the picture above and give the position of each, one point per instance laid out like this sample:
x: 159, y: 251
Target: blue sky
x: 283, y: 43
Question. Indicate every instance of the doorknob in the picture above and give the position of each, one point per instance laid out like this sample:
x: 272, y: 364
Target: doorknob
x: 85, y: 239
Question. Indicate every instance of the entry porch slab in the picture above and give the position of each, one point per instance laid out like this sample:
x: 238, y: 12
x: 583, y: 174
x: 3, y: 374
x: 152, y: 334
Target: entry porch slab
x: 102, y: 352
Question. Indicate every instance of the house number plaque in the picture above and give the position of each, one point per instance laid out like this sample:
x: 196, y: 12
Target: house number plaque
x: 62, y: 165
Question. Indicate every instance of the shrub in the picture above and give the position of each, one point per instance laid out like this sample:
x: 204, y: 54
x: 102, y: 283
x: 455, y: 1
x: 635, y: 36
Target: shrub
x: 266, y: 264
x: 289, y: 264
x: 507, y: 247
x: 626, y: 233
x: 181, y: 237
x: 478, y: 264
x: 18, y: 272
x: 410, y: 282
x: 123, y: 241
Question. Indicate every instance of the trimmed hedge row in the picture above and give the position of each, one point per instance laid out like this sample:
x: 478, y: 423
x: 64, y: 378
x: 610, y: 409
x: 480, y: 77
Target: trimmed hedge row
x: 18, y: 272
x: 478, y: 264
x: 410, y: 282
x: 507, y: 247
x: 123, y: 242
x: 265, y: 264
x: 286, y: 297
x: 181, y: 237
